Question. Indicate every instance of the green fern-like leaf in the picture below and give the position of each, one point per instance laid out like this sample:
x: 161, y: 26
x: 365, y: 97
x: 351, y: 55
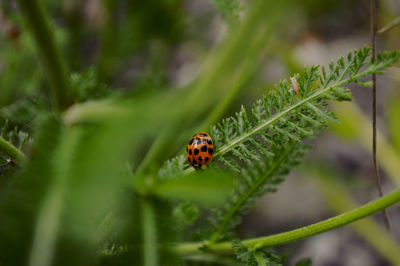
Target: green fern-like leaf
x: 20, y: 199
x: 15, y: 139
x: 14, y: 135
x: 229, y: 9
x: 264, y: 146
x: 266, y: 257
x: 24, y: 113
x: 86, y: 86
x: 257, y: 178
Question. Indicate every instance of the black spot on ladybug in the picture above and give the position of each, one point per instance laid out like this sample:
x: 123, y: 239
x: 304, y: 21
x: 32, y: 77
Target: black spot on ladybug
x: 210, y: 151
x: 198, y: 141
x: 203, y: 148
x: 190, y: 152
x: 189, y: 159
x: 190, y: 142
x: 209, y: 141
x: 204, y: 141
x: 203, y: 135
x: 200, y: 158
x: 196, y: 151
x: 206, y: 159
x: 194, y: 161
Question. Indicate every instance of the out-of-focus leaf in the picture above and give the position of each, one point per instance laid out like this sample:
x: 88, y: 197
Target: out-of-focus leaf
x: 229, y: 9
x: 21, y: 199
x: 205, y: 187
x: 88, y: 178
x: 20, y: 75
x: 85, y: 86
x: 186, y: 213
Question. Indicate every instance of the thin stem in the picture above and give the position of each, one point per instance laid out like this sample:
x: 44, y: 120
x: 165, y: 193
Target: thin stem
x: 378, y: 179
x: 48, y: 220
x: 11, y: 151
x: 51, y: 56
x: 389, y: 26
x: 150, y: 247
x: 297, y: 234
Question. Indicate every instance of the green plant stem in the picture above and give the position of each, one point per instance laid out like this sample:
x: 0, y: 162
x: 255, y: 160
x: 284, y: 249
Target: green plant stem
x: 11, y: 151
x: 150, y: 247
x: 51, y: 56
x: 297, y: 234
x: 49, y: 216
x: 94, y: 111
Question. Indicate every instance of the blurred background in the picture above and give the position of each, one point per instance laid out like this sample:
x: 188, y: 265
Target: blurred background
x: 137, y: 47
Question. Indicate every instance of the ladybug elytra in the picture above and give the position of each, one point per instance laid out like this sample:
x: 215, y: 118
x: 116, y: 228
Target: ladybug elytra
x: 200, y: 149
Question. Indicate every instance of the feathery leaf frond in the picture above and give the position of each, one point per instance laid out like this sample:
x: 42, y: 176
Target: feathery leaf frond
x: 264, y: 146
x: 229, y: 9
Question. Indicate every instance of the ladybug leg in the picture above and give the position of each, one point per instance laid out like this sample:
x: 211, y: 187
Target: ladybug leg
x: 200, y: 166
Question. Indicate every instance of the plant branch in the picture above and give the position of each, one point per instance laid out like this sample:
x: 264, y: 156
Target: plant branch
x: 51, y: 56
x: 48, y: 220
x: 150, y: 247
x: 318, y: 93
x: 285, y: 112
x: 11, y: 151
x: 297, y: 234
x: 378, y: 179
x: 389, y: 26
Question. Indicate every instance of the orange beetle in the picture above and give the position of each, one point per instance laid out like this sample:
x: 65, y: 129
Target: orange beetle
x: 200, y: 149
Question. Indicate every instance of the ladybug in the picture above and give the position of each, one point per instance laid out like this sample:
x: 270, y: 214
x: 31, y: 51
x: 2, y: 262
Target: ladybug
x: 200, y: 150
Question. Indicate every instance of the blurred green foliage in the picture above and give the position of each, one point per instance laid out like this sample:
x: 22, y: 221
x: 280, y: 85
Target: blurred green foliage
x: 87, y: 88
